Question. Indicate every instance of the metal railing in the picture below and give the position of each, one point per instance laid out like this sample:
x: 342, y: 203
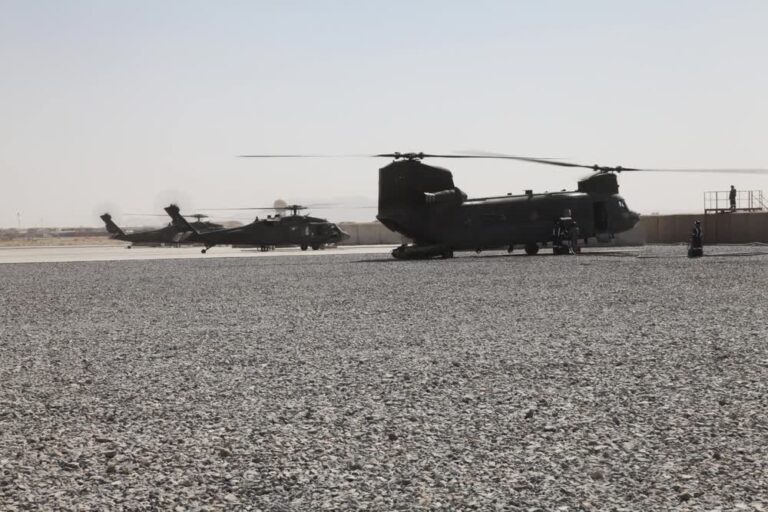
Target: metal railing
x: 746, y: 201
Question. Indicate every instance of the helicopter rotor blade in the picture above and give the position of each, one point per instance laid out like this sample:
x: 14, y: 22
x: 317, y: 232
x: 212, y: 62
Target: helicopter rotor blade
x: 196, y: 215
x: 286, y: 207
x: 543, y: 161
x: 714, y: 171
x: 305, y: 156
x: 599, y: 168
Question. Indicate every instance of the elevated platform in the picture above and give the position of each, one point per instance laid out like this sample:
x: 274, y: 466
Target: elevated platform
x: 718, y: 201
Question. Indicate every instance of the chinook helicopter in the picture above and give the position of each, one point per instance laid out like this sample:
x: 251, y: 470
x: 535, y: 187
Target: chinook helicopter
x: 170, y: 234
x: 422, y: 202
x: 278, y: 230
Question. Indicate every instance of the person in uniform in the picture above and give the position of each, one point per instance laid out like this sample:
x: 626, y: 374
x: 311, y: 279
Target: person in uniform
x: 565, y: 234
x: 732, y: 197
x: 697, y: 236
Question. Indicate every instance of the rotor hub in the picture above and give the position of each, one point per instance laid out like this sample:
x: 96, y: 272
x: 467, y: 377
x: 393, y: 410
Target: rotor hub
x: 408, y: 156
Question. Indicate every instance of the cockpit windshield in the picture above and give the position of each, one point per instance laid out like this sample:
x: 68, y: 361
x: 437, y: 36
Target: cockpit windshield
x: 622, y: 204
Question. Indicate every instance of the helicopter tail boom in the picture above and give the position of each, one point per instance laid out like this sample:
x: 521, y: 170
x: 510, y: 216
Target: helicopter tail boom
x: 112, y: 228
x: 178, y: 220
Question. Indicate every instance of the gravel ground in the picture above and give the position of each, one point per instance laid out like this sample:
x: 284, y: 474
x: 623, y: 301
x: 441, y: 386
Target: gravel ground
x: 598, y: 382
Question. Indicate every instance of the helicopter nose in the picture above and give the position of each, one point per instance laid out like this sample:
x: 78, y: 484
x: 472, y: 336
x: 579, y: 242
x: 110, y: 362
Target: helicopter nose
x: 634, y: 218
x: 344, y: 235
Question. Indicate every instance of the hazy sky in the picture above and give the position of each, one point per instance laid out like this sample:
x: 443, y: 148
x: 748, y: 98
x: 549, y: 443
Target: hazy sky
x: 129, y: 105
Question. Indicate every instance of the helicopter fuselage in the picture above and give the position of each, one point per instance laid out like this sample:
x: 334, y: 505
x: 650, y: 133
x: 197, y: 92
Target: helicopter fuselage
x: 421, y: 202
x: 304, y: 231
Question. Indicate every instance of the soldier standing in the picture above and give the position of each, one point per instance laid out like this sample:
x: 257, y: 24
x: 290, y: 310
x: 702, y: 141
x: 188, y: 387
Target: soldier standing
x: 732, y: 197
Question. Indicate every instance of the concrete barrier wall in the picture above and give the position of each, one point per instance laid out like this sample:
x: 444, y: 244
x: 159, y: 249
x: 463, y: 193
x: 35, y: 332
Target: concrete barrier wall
x: 722, y: 228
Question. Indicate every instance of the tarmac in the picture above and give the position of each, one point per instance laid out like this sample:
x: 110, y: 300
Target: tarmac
x: 621, y: 379
x: 85, y: 253
x: 62, y: 254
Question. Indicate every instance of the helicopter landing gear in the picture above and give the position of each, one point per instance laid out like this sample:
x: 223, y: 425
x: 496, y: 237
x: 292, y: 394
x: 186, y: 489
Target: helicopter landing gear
x: 304, y: 247
x: 315, y: 247
x: 531, y: 249
x: 510, y: 249
x: 421, y: 252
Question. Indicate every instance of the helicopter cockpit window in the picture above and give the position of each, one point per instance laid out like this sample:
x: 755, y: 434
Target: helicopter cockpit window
x: 623, y: 205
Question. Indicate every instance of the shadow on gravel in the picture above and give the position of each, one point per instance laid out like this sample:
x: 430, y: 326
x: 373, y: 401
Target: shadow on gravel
x: 721, y: 255
x: 476, y: 257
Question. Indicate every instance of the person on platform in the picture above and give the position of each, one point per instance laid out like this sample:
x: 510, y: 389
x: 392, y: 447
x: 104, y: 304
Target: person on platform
x: 732, y: 197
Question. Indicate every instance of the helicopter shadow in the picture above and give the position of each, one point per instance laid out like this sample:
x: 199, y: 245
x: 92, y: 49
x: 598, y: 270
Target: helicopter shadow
x: 476, y: 257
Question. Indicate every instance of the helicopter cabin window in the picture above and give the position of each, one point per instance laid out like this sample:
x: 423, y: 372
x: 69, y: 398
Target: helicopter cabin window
x: 623, y: 205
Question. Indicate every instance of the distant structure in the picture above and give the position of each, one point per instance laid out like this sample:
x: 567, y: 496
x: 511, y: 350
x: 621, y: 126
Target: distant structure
x: 718, y: 201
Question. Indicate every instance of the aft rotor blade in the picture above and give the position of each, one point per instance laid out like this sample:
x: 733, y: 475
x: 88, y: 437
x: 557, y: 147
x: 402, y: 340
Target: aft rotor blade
x: 603, y: 168
x: 714, y: 171
x: 535, y: 160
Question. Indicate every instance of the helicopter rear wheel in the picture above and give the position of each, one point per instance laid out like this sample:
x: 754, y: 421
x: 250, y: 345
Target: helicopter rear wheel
x: 304, y: 247
x: 315, y: 247
x: 531, y: 249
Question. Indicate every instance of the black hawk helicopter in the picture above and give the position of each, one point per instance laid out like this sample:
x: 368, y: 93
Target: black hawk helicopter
x: 170, y: 234
x: 421, y: 202
x: 276, y: 230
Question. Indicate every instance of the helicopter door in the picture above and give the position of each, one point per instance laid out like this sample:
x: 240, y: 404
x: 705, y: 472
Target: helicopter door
x: 601, y: 217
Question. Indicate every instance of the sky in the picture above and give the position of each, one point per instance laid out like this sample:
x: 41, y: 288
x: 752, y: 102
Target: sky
x: 127, y: 106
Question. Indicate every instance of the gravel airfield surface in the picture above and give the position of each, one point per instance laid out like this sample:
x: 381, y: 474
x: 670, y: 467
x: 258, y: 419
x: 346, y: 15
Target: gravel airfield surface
x: 608, y: 381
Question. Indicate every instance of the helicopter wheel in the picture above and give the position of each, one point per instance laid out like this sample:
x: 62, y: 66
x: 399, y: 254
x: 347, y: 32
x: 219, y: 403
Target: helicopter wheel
x: 204, y: 250
x: 304, y: 247
x: 510, y: 249
x: 531, y: 249
x: 448, y: 253
x: 315, y: 247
